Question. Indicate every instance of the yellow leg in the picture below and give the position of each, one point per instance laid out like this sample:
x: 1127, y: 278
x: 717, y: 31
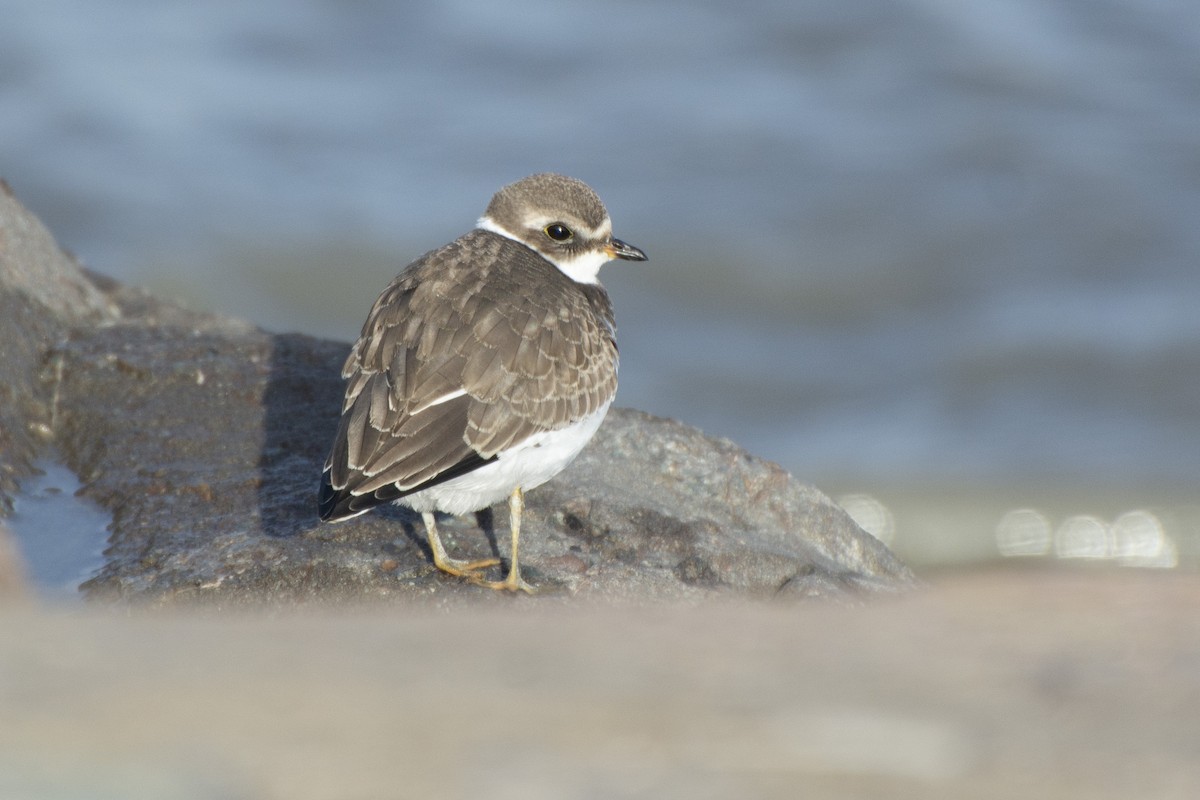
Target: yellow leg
x: 452, y: 566
x: 514, y: 582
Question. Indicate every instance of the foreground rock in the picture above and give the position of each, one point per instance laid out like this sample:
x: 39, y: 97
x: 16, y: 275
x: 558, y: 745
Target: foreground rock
x: 204, y: 436
x: 1055, y: 685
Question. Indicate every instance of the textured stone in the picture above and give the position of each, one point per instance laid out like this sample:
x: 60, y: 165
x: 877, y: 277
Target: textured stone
x: 43, y: 293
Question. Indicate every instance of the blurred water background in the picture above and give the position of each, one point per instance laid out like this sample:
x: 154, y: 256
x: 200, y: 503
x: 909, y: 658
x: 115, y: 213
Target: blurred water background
x: 938, y: 257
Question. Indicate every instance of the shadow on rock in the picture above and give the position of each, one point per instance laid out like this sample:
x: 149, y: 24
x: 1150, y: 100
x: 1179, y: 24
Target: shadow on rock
x: 301, y: 402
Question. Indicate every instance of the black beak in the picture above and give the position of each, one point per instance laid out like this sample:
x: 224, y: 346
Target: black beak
x: 618, y: 249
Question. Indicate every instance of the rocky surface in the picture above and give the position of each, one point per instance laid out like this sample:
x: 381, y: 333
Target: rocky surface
x: 204, y: 437
x: 42, y: 295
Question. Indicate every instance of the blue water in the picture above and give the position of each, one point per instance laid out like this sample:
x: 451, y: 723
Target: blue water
x: 893, y: 243
x: 60, y: 536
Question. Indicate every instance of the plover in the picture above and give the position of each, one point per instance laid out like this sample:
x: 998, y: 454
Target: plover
x: 483, y: 368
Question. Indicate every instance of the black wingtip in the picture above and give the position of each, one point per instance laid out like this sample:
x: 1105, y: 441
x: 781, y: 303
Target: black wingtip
x: 328, y: 500
x: 335, y: 505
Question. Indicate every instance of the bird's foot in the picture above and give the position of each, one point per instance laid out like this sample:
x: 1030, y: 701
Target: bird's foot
x: 453, y: 566
x: 465, y: 569
x: 513, y: 583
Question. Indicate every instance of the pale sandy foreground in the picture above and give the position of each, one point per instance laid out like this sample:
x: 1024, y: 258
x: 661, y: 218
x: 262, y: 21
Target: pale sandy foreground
x: 1008, y: 684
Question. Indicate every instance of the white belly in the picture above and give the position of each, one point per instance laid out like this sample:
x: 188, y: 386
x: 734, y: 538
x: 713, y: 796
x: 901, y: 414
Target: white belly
x: 531, y: 463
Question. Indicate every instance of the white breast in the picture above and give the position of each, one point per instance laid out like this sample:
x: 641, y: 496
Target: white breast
x: 528, y: 464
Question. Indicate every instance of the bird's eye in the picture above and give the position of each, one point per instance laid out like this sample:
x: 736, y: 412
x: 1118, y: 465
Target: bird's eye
x: 558, y: 232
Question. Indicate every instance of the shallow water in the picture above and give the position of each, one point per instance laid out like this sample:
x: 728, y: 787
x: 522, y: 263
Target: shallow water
x: 61, y: 536
x: 892, y: 244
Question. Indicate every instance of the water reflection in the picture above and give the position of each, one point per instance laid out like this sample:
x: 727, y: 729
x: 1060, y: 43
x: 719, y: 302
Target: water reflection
x: 61, y: 535
x: 1082, y: 536
x: 871, y: 515
x: 1135, y: 538
x: 1024, y: 532
x: 1141, y: 541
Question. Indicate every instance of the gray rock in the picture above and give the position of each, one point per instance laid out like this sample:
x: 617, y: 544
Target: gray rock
x: 205, y: 436
x: 43, y: 293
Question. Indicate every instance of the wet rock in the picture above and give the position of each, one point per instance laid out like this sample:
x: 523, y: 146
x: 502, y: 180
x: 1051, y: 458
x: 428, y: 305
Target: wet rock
x: 204, y: 436
x: 43, y: 293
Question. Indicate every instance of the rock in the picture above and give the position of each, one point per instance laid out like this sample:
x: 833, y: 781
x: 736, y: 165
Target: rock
x: 43, y: 293
x: 1055, y: 684
x: 205, y: 437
